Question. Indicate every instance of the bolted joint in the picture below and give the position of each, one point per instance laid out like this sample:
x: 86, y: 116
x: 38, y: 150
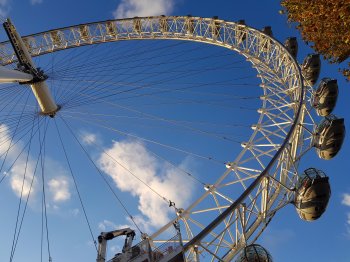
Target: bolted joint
x: 38, y: 74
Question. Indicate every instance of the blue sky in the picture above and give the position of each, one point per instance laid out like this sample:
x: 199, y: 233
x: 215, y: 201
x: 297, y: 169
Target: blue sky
x: 287, y: 237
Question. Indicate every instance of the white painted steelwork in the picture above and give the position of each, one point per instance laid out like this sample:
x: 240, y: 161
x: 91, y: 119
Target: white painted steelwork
x: 265, y: 169
x: 13, y: 76
x: 39, y: 88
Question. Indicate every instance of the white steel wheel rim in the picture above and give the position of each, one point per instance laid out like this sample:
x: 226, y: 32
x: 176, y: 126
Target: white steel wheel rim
x: 273, y: 146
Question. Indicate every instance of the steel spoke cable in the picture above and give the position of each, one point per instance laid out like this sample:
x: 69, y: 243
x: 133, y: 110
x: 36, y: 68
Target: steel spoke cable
x: 16, y: 128
x: 183, y: 171
x: 102, y: 67
x: 227, y: 66
x: 169, y: 121
x: 44, y: 204
x: 18, y: 156
x: 127, y: 58
x: 98, y: 118
x: 75, y: 184
x: 11, y: 124
x: 20, y: 198
x: 88, y: 51
x: 115, y: 71
x: 14, y: 96
x: 150, y: 141
x: 187, y: 63
x: 182, y: 89
x: 102, y: 176
x: 66, y: 92
x: 162, y: 82
x: 69, y: 58
x: 161, y: 89
x: 183, y: 127
x: 17, y: 134
x: 88, y: 113
x: 30, y: 189
x: 59, y: 61
x: 165, y: 160
x: 183, y: 86
x: 131, y: 173
x: 94, y: 53
x: 188, y: 91
x: 185, y: 74
x: 211, y: 102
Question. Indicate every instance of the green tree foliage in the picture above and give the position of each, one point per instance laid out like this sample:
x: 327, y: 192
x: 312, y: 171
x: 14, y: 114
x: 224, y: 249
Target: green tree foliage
x: 326, y: 25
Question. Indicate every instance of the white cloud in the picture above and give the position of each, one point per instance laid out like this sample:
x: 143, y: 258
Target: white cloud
x: 346, y: 200
x: 21, y: 174
x: 21, y: 181
x: 75, y: 212
x: 34, y: 2
x: 5, y: 143
x: 132, y: 8
x: 162, y: 178
x: 107, y: 225
x: 4, y: 7
x: 59, y: 189
x: 89, y: 138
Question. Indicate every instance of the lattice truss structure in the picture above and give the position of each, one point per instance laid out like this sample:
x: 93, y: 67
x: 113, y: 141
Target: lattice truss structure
x: 235, y: 210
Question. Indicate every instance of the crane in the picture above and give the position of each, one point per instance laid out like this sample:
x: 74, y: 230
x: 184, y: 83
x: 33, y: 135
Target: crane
x: 105, y: 236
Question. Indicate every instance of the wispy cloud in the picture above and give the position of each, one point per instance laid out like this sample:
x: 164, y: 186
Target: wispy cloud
x: 137, y: 164
x: 4, y: 7
x: 22, y: 182
x: 34, y: 2
x: 21, y: 173
x: 107, y: 225
x: 74, y: 212
x: 132, y: 8
x: 90, y: 139
x: 59, y: 189
x: 346, y: 199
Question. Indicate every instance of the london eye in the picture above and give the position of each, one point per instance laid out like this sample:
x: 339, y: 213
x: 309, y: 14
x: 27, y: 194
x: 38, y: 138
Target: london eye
x: 116, y: 101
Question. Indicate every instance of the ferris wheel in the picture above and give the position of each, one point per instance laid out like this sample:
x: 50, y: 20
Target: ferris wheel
x: 78, y: 88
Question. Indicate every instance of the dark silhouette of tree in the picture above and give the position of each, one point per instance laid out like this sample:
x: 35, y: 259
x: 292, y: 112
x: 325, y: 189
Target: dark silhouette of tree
x: 326, y: 25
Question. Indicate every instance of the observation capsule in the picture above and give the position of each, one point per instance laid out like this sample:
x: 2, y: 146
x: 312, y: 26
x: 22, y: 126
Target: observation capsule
x: 291, y: 45
x: 311, y: 68
x: 241, y: 34
x: 329, y: 136
x: 163, y: 24
x: 215, y: 27
x: 111, y: 28
x: 189, y: 23
x: 254, y: 253
x: 137, y: 25
x: 325, y: 96
x: 265, y: 42
x: 312, y: 194
x: 56, y: 38
x: 267, y: 30
x: 84, y: 32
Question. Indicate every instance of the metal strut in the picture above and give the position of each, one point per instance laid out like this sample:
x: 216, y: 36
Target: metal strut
x: 26, y: 65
